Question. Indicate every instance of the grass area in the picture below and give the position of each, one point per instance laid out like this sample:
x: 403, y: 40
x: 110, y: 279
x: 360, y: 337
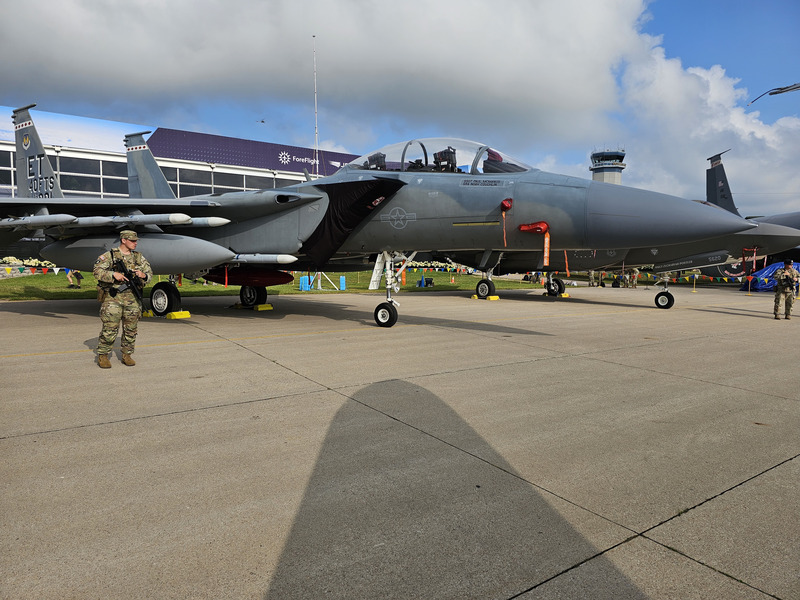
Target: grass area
x: 52, y: 286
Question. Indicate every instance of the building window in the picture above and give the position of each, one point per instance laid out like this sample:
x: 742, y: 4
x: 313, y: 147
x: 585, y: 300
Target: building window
x: 115, y: 186
x: 68, y: 164
x: 279, y: 183
x: 115, y: 169
x: 229, y: 180
x: 225, y: 190
x: 78, y: 183
x: 194, y: 176
x: 193, y: 190
x: 171, y: 173
x: 256, y: 182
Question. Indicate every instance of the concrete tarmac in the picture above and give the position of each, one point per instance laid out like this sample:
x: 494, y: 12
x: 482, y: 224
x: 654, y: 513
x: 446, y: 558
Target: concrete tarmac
x: 585, y: 447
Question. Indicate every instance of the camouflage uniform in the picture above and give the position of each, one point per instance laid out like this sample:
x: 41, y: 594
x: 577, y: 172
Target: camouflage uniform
x: 124, y: 306
x: 785, y: 279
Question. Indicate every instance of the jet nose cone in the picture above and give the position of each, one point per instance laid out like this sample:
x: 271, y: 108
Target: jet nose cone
x: 623, y: 217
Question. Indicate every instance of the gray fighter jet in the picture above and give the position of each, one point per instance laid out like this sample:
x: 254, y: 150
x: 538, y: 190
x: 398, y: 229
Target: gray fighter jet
x: 431, y: 195
x: 145, y: 173
x: 718, y: 192
x: 773, y: 235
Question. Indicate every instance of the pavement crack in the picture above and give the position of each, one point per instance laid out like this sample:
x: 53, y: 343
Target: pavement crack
x: 722, y: 493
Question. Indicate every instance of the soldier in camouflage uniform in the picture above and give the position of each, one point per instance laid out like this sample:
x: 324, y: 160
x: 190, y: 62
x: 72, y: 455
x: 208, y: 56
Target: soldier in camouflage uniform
x: 785, y: 278
x: 119, y: 306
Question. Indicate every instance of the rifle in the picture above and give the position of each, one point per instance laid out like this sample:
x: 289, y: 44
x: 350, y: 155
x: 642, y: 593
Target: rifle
x: 132, y: 283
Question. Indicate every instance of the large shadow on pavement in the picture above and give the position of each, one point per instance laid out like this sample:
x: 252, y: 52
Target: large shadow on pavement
x: 408, y: 501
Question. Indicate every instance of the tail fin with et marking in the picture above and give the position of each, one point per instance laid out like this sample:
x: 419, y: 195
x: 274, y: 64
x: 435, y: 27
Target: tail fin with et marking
x: 35, y: 176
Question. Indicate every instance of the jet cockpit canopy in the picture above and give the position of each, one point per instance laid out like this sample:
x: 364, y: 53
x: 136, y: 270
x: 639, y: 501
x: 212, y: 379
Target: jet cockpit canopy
x: 440, y: 155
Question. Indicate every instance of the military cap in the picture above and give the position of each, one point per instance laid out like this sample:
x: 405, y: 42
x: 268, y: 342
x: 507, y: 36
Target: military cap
x: 788, y: 261
x: 128, y: 234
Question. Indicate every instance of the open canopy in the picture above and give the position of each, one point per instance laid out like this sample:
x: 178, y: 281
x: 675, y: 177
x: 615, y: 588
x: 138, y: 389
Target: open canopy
x: 444, y: 155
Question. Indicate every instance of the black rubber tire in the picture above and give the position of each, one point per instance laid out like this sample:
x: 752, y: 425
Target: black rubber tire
x: 164, y: 298
x: 664, y: 300
x: 555, y: 287
x: 484, y: 289
x: 252, y: 295
x: 385, y: 314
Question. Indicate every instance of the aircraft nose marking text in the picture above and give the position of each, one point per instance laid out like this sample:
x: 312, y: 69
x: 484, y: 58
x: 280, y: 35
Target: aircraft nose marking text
x: 398, y: 217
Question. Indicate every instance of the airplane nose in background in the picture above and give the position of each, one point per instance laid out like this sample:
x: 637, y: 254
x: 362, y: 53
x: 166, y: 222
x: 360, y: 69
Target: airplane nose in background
x: 623, y: 217
x: 771, y: 238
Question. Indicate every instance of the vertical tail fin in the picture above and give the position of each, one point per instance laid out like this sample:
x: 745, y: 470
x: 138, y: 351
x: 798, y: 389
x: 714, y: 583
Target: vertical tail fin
x: 717, y: 189
x: 145, y: 178
x: 35, y: 176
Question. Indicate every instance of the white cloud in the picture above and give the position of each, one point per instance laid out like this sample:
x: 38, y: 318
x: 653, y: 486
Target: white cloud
x: 681, y: 116
x: 552, y: 78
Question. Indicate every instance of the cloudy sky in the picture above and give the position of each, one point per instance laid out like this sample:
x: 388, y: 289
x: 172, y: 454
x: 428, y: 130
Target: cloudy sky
x: 547, y: 81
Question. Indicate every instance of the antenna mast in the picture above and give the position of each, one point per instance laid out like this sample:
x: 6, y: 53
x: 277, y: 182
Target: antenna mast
x: 316, y: 127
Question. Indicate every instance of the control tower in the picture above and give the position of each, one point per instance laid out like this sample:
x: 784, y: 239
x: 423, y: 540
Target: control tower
x: 607, y: 165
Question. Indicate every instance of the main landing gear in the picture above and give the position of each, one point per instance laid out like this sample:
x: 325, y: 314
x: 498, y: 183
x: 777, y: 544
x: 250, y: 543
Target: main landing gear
x: 485, y: 288
x: 554, y: 286
x: 386, y: 312
x: 165, y: 298
x: 252, y: 295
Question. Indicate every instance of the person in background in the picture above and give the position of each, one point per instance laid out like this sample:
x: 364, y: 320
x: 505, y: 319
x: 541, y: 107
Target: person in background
x: 785, y: 280
x: 77, y: 275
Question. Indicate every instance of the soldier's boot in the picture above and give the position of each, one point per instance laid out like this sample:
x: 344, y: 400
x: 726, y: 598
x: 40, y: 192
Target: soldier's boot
x: 787, y: 317
x: 103, y: 362
x: 127, y: 360
x: 777, y: 318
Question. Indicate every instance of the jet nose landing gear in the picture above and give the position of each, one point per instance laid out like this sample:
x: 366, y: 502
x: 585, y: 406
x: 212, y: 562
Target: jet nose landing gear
x: 664, y: 299
x: 386, y: 312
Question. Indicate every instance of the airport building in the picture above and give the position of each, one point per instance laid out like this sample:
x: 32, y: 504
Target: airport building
x: 193, y: 163
x: 607, y: 166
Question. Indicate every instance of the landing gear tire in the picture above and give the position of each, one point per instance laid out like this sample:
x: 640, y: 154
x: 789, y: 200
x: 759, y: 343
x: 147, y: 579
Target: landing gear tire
x: 664, y: 300
x: 164, y: 298
x: 385, y: 314
x: 555, y: 287
x: 484, y: 289
x: 250, y: 295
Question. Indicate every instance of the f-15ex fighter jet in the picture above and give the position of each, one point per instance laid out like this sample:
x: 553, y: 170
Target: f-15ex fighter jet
x: 427, y: 195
